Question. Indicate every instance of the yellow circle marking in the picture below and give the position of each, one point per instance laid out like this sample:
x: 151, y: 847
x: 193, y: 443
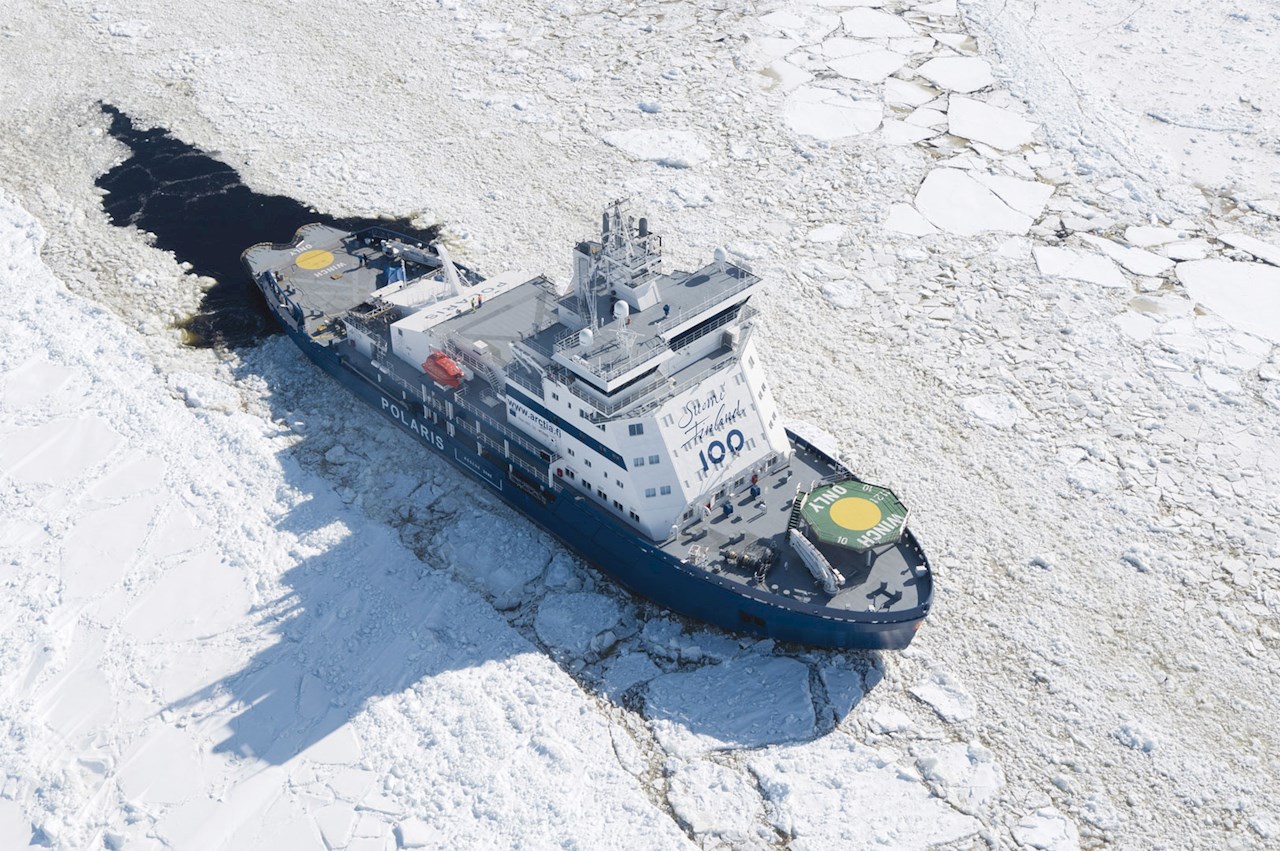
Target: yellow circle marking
x: 316, y: 258
x: 855, y: 513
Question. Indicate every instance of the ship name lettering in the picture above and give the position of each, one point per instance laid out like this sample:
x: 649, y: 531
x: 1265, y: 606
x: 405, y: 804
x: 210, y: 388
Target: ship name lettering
x: 411, y: 423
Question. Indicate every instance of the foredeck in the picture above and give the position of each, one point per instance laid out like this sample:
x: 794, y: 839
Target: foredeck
x: 897, y: 578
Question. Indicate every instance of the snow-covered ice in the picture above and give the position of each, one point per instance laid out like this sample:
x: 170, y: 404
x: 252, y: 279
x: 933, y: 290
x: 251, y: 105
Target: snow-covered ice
x: 957, y: 203
x: 962, y: 74
x: 1077, y: 265
x: 831, y: 114
x: 1245, y: 294
x: 241, y: 613
x: 974, y: 119
x: 674, y: 148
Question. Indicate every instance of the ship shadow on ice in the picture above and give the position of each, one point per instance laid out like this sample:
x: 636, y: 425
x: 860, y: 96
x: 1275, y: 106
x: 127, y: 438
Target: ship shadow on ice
x: 369, y: 612
x: 196, y: 206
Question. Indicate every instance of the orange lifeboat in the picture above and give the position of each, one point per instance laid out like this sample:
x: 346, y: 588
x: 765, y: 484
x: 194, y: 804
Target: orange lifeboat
x: 442, y: 369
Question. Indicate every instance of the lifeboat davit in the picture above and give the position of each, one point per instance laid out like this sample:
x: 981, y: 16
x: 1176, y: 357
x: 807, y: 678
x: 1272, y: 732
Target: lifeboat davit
x: 442, y: 369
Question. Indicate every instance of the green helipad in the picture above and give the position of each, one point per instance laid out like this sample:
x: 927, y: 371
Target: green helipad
x: 856, y: 515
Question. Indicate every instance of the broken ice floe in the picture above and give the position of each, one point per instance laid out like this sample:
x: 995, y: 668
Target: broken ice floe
x: 1136, y: 260
x: 963, y: 74
x: 747, y: 702
x: 873, y: 23
x: 830, y: 114
x: 904, y: 218
x: 994, y: 409
x: 571, y: 622
x: 716, y: 803
x: 967, y: 774
x: 1262, y: 250
x: 805, y: 785
x: 999, y: 128
x: 870, y: 65
x: 1075, y: 265
x: 946, y: 696
x: 673, y: 148
x: 958, y: 203
x: 1048, y: 830
x: 907, y: 92
x: 1247, y: 295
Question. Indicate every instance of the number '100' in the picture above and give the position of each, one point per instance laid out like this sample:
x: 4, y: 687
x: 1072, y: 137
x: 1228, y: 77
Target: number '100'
x: 716, y: 450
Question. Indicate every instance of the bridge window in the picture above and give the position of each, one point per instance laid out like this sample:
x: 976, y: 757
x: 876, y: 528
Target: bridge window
x: 635, y: 429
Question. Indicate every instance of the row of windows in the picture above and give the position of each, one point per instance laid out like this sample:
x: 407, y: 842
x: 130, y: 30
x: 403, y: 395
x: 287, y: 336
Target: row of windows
x: 666, y: 489
x: 638, y: 461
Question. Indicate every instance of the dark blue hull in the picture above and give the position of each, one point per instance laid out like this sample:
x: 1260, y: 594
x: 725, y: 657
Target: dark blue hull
x: 612, y: 547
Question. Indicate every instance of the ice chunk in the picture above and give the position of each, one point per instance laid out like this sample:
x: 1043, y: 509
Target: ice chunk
x: 1136, y: 260
x: 1025, y: 196
x: 415, y: 833
x: 872, y: 23
x: 775, y: 47
x: 958, y: 73
x: 1186, y: 249
x: 1246, y: 295
x: 826, y: 233
x: 673, y: 148
x: 502, y: 565
x: 1048, y: 830
x: 907, y: 92
x: 941, y: 8
x: 1144, y: 236
x: 789, y: 76
x: 747, y: 702
x: 996, y: 410
x: 201, y: 391
x: 889, y: 719
x: 990, y: 125
x: 1078, y: 266
x: 627, y: 670
x: 829, y: 114
x: 1262, y: 250
x: 924, y: 116
x: 904, y: 218
x: 947, y: 696
x: 570, y: 621
x: 968, y: 774
x: 955, y: 202
x: 902, y: 133
x: 844, y: 688
x: 807, y: 784
x: 715, y: 802
x: 957, y: 41
x: 870, y: 66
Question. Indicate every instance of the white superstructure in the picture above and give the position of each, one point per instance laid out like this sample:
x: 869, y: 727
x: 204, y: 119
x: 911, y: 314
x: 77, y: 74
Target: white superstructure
x: 644, y: 388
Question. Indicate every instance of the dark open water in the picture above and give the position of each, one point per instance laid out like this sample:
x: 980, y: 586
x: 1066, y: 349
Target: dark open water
x: 196, y: 207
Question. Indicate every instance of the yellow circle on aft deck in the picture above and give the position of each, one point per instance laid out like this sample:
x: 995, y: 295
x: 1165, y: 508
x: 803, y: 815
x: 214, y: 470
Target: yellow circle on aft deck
x: 855, y: 513
x: 316, y: 258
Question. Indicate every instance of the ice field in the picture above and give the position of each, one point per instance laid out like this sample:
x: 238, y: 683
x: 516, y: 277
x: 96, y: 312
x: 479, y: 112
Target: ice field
x: 242, y: 611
